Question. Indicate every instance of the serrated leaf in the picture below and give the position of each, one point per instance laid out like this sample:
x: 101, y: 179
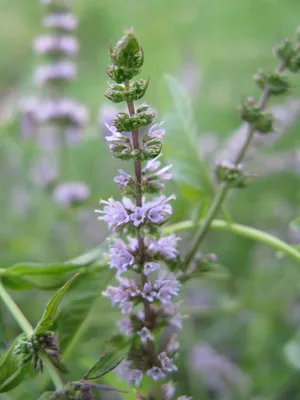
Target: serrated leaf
x: 109, y: 361
x: 181, y: 146
x: 295, y: 225
x: 50, y: 312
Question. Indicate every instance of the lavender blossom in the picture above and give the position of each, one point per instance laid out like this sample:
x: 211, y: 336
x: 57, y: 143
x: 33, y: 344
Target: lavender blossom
x: 149, y: 296
x: 156, y: 373
x: 145, y: 335
x: 62, y: 21
x: 63, y: 45
x: 59, y: 71
x: 71, y: 193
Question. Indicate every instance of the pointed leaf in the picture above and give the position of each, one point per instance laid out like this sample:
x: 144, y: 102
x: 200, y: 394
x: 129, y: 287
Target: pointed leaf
x: 181, y: 146
x: 109, y: 361
x: 50, y: 312
x: 39, y: 269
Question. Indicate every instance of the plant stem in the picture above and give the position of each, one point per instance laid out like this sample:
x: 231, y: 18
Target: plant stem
x: 206, y: 223
x: 138, y: 200
x: 15, y: 311
x: 28, y: 329
x: 221, y: 194
x: 241, y: 230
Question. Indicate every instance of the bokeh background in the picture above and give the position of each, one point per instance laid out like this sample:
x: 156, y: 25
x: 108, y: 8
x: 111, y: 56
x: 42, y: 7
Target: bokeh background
x: 241, y: 339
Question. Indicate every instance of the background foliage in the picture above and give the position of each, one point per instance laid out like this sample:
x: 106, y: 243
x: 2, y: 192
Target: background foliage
x: 213, y: 48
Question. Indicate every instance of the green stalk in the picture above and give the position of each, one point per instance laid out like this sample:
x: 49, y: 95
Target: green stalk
x: 241, y: 230
x: 28, y: 329
x: 221, y: 194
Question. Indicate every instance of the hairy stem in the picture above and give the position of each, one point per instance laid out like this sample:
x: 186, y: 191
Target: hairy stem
x: 221, y: 193
x: 28, y: 329
x: 241, y: 230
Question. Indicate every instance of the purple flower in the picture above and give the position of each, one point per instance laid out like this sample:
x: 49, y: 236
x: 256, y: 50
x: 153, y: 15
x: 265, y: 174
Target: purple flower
x: 61, y: 71
x: 184, y: 398
x: 125, y: 326
x: 71, y: 193
x: 138, y: 216
x: 122, y: 179
x: 148, y: 293
x: 150, y: 267
x: 66, y: 110
x: 167, y: 363
x: 171, y: 310
x: 131, y: 376
x: 165, y: 246
x: 167, y: 288
x: 121, y: 258
x: 145, y: 335
x: 156, y: 131
x: 159, y: 208
x: 156, y: 373
x: 168, y: 391
x: 48, y: 44
x: 151, y: 165
x: 114, y: 214
x: 64, y: 21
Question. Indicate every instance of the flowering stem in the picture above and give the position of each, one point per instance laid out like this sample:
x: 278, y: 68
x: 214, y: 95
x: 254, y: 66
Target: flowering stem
x: 138, y: 200
x: 221, y: 194
x: 241, y: 230
x: 28, y: 329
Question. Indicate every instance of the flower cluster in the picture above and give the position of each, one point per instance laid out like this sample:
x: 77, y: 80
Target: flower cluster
x: 57, y: 119
x: 148, y: 287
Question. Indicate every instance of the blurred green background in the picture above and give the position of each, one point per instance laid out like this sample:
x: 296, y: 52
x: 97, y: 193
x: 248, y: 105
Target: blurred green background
x: 213, y: 48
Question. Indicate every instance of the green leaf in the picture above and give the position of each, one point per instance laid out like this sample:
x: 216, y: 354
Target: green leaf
x: 295, y: 225
x: 109, y: 361
x: 14, y: 380
x: 181, y: 147
x: 50, y: 312
x: 39, y: 269
x: 79, y: 302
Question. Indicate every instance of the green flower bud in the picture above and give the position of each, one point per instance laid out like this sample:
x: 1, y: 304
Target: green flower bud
x: 152, y: 147
x: 231, y: 174
x: 118, y: 93
x: 284, y: 51
x: 294, y: 64
x: 126, y: 123
x: 28, y: 349
x: 248, y: 111
x: 277, y: 83
x: 265, y: 123
x: 127, y: 58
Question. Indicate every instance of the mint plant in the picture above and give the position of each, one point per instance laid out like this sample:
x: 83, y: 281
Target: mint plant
x: 143, y: 252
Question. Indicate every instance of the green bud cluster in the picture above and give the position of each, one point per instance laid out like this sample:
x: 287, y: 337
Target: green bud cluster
x: 261, y: 121
x: 118, y: 93
x: 126, y: 123
x: 276, y: 82
x: 29, y: 348
x: 232, y: 174
x: 127, y: 60
x: 289, y: 53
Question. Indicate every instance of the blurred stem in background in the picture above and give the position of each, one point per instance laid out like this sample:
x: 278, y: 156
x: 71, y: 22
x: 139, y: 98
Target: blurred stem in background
x: 222, y: 192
